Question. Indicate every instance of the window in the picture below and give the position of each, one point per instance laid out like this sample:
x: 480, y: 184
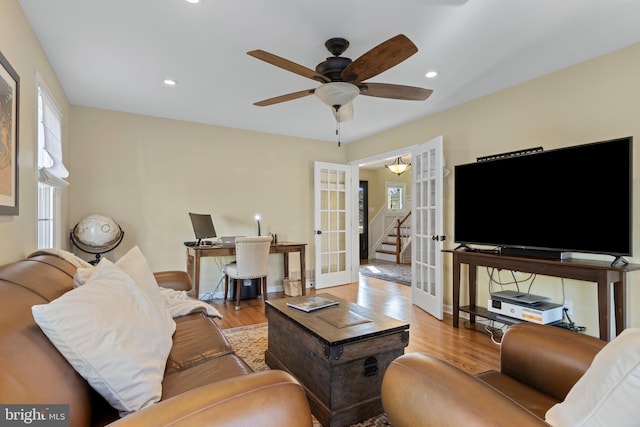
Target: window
x: 51, y: 171
x: 395, y: 195
x: 46, y: 202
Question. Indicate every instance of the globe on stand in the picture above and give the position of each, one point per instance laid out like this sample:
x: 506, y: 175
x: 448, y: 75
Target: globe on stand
x: 96, y: 234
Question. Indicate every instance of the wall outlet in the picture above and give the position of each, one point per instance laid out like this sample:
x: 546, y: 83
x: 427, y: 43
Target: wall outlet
x: 569, y: 306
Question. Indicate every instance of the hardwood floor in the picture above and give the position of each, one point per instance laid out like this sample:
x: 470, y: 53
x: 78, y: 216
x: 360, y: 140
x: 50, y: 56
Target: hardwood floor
x: 472, y: 350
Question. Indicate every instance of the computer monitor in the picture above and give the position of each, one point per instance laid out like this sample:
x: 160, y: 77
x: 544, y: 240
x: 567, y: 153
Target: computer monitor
x: 202, y: 226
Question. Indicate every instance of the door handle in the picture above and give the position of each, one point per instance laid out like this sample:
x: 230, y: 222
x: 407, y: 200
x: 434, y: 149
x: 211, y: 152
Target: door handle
x: 317, y: 232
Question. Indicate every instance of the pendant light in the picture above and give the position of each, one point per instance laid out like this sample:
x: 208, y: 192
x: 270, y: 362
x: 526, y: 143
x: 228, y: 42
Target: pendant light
x: 398, y: 167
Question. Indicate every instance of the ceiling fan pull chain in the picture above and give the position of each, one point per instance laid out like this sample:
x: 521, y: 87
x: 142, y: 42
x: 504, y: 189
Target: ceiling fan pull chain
x: 337, y: 108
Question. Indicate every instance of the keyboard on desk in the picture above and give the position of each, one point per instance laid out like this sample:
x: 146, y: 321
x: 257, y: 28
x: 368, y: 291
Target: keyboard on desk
x: 203, y: 244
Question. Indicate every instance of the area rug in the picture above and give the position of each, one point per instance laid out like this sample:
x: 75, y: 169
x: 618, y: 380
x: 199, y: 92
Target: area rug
x: 250, y: 343
x: 392, y: 272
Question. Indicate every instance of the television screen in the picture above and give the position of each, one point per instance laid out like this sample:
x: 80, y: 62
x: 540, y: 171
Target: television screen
x: 575, y: 199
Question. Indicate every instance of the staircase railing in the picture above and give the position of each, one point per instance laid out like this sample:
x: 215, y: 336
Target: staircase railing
x: 400, y: 236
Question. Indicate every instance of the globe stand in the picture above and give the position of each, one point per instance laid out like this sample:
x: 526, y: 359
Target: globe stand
x: 96, y: 251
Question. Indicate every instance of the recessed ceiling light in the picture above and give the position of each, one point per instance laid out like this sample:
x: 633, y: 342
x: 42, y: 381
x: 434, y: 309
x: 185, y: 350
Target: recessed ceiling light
x: 431, y: 74
x: 170, y: 82
x: 193, y: 1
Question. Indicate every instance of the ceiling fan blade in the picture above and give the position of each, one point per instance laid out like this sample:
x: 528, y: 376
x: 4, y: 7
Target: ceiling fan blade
x: 284, y: 98
x: 384, y: 90
x: 382, y: 57
x: 287, y: 65
x: 344, y: 113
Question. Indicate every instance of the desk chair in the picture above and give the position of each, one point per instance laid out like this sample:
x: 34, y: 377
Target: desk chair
x: 252, y: 262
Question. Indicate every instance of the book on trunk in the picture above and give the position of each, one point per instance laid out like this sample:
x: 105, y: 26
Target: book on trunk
x: 311, y: 303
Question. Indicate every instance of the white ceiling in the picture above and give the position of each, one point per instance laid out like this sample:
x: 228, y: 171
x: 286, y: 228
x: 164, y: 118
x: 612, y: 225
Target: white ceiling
x: 114, y: 54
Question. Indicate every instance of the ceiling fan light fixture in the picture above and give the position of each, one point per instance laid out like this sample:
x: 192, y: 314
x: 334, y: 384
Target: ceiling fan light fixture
x: 344, y: 113
x: 337, y: 93
x: 398, y: 167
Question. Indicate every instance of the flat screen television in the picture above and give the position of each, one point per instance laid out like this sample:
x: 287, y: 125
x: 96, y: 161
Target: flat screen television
x: 574, y: 199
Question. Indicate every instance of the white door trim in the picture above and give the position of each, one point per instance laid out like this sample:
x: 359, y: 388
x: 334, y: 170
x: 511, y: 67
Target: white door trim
x: 355, y: 183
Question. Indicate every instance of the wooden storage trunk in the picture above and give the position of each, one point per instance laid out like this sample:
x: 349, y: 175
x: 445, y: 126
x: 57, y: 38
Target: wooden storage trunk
x: 338, y: 353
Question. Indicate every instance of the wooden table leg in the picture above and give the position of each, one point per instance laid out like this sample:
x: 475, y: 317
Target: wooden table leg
x: 473, y: 285
x: 619, y: 292
x: 286, y: 272
x: 303, y: 271
x: 456, y: 291
x: 604, y: 305
x: 190, y: 266
x: 196, y: 274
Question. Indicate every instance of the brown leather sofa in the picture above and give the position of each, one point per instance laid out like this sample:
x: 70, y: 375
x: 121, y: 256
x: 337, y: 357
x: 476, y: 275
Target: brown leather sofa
x: 205, y: 383
x: 538, y: 366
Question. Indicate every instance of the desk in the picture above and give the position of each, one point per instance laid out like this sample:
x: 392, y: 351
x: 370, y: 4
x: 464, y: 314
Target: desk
x: 602, y: 273
x: 194, y: 253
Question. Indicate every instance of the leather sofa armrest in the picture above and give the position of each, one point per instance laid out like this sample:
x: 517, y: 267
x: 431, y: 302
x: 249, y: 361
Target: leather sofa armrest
x: 420, y: 390
x: 175, y: 279
x: 267, y: 399
x: 547, y: 358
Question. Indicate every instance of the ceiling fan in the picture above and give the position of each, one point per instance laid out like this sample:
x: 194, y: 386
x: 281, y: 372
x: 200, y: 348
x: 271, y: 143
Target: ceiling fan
x: 343, y: 79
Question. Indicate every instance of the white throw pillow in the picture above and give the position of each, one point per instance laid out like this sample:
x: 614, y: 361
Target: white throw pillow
x: 136, y: 266
x: 607, y: 394
x: 113, y: 335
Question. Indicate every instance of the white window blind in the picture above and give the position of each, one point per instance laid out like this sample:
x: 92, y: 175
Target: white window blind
x: 51, y: 170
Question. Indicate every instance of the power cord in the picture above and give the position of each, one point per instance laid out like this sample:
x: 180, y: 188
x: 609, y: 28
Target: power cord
x: 497, y: 280
x: 493, y: 331
x: 208, y: 297
x: 570, y: 324
x: 489, y: 328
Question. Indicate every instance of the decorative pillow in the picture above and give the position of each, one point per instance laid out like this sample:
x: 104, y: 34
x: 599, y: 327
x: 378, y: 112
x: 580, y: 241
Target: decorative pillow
x: 136, y: 266
x: 113, y: 335
x: 607, y: 394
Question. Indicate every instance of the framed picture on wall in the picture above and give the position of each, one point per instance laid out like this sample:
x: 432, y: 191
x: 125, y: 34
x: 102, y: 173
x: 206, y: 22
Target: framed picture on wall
x: 9, y: 107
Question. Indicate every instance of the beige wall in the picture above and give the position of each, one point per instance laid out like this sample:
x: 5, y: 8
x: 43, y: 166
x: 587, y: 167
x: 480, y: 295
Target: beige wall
x: 589, y: 102
x: 20, y: 47
x: 148, y: 173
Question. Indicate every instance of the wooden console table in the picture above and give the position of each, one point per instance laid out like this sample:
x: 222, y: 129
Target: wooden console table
x: 602, y: 273
x: 194, y: 253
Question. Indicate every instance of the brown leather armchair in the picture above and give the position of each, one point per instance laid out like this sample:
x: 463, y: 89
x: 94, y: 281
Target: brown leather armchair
x: 538, y: 366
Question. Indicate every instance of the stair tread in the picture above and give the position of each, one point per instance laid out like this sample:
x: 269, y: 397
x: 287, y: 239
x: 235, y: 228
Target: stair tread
x: 382, y: 251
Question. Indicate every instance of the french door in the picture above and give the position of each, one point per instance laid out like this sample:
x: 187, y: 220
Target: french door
x: 333, y: 215
x: 426, y: 248
x: 363, y: 219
